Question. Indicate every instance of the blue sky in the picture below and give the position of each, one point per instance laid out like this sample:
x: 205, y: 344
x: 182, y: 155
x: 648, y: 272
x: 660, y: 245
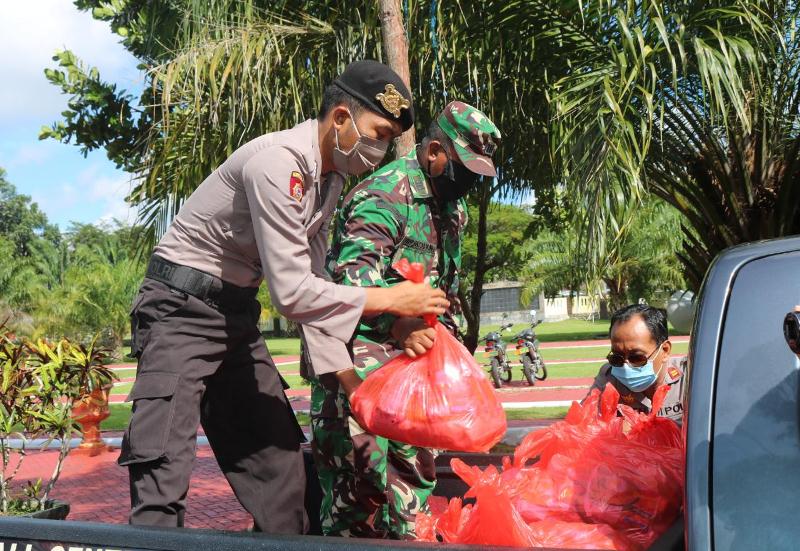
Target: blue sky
x: 67, y: 186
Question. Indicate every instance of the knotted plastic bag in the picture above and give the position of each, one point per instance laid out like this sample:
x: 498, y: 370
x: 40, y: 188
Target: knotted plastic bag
x: 595, y: 480
x: 441, y: 399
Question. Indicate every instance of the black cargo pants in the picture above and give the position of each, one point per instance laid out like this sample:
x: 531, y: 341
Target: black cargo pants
x: 208, y: 364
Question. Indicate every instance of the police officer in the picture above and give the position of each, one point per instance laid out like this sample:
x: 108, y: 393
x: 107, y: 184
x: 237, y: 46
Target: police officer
x: 639, y: 361
x: 263, y: 214
x: 413, y: 209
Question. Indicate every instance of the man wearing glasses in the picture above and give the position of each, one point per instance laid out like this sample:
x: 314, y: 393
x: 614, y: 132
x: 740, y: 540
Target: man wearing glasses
x: 639, y: 361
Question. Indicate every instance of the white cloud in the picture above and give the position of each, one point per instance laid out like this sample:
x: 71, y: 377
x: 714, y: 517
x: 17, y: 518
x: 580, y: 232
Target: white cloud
x: 109, y: 192
x: 29, y: 153
x: 61, y: 197
x: 30, y: 33
x: 101, y: 192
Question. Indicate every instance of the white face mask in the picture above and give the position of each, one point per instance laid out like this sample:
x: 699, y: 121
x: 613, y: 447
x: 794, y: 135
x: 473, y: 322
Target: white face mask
x: 365, y: 154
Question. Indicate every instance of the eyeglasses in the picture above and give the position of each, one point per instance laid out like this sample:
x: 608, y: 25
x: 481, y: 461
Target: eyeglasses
x: 637, y: 359
x: 791, y: 331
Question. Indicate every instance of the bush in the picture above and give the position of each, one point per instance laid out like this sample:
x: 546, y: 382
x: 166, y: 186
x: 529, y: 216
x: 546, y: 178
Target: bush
x: 40, y: 384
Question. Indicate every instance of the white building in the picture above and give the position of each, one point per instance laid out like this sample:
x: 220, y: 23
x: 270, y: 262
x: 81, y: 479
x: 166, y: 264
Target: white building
x: 501, y: 302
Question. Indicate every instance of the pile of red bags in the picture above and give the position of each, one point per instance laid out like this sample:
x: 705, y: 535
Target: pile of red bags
x: 594, y: 480
x: 441, y: 400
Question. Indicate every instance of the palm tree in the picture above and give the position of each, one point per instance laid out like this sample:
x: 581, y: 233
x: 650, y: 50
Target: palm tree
x: 225, y: 72
x: 639, y: 260
x: 238, y: 70
x: 18, y: 288
x: 222, y: 73
x: 696, y: 102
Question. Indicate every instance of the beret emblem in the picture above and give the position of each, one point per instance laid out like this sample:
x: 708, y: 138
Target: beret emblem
x: 392, y: 100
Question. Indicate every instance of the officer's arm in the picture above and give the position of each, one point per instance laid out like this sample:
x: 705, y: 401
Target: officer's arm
x: 285, y: 253
x: 297, y: 292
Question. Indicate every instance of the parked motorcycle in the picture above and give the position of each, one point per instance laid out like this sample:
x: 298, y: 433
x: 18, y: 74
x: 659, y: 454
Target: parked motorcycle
x: 533, y: 367
x: 495, y: 352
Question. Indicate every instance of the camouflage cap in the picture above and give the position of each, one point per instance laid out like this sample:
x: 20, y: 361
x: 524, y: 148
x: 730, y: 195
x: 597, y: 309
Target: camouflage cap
x: 474, y: 136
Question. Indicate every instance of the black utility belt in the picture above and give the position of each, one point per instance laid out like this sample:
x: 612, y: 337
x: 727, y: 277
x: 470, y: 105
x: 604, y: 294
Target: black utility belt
x: 206, y: 287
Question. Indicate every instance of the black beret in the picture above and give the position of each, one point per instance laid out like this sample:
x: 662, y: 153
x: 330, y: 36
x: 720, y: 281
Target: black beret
x: 379, y: 88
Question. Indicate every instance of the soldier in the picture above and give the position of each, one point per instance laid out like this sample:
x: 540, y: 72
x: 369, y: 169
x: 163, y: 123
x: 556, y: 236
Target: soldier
x: 263, y: 214
x: 413, y: 208
x: 639, y: 361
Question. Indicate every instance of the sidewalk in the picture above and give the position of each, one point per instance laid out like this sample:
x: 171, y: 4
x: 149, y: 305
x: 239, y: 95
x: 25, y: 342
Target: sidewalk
x: 97, y: 489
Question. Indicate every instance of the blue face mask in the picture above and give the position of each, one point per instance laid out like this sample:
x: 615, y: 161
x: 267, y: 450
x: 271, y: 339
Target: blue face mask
x: 636, y: 379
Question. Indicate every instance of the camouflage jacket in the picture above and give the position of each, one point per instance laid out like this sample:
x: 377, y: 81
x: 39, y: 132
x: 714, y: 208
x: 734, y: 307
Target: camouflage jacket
x: 389, y: 216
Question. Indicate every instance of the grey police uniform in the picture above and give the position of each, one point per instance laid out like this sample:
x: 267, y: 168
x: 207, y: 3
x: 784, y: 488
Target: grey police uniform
x: 262, y: 215
x: 202, y: 359
x: 673, y: 403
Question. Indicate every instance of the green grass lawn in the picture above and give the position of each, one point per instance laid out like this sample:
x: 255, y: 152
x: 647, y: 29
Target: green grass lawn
x: 571, y: 370
x: 283, y: 346
x: 574, y: 353
x: 536, y: 413
x: 293, y: 367
x: 567, y: 330
x: 122, y: 389
x: 121, y: 413
x: 554, y: 371
x: 123, y: 373
x: 118, y: 420
x: 295, y: 381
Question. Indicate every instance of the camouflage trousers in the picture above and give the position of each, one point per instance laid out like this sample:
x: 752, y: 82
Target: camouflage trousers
x: 372, y: 487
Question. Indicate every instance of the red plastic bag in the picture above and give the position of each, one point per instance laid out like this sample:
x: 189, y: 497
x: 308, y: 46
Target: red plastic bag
x: 575, y: 535
x: 595, y: 480
x: 439, y: 400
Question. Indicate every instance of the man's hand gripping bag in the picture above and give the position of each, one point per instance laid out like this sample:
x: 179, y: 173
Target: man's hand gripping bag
x: 441, y: 399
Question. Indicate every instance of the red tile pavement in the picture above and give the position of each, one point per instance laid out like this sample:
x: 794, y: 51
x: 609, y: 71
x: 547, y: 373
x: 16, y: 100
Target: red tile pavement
x: 97, y: 490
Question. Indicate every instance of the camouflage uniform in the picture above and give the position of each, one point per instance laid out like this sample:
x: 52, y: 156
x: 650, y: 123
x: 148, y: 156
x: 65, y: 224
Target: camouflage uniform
x: 372, y: 486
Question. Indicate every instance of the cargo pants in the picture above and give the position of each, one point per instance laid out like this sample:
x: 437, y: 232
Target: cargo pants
x: 206, y: 363
x: 372, y: 487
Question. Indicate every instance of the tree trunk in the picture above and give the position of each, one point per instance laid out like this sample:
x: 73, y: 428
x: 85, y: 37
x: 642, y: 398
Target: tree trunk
x: 616, y: 294
x: 395, y: 47
x: 476, y: 293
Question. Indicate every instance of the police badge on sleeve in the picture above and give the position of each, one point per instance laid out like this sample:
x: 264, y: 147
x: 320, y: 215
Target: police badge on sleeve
x: 296, y: 187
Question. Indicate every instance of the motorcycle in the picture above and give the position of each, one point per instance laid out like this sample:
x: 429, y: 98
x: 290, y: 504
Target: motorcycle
x: 495, y: 351
x: 533, y: 367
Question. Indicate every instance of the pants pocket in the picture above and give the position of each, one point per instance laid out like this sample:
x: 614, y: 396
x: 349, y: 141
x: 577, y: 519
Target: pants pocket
x: 152, y: 415
x: 155, y: 302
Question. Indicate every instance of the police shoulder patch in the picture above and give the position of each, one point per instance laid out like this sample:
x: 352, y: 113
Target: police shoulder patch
x: 296, y: 186
x: 674, y: 372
